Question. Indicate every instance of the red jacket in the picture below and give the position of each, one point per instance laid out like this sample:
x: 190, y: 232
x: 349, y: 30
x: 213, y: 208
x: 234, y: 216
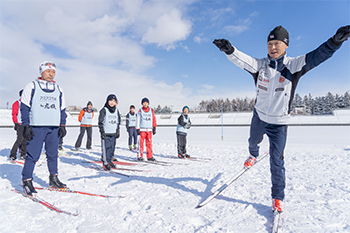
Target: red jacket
x: 15, y: 110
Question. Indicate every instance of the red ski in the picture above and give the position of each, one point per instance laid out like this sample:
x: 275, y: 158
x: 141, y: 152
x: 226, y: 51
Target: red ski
x: 44, y: 203
x: 66, y: 190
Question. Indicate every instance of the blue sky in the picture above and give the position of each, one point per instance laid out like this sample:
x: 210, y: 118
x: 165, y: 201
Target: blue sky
x: 161, y: 49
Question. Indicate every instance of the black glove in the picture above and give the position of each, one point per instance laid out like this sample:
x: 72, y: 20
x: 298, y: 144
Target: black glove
x: 127, y: 129
x: 103, y: 135
x: 224, y: 45
x: 117, y: 134
x: 138, y: 131
x: 28, y: 133
x: 341, y: 35
x: 62, y: 131
x: 16, y: 126
x: 154, y: 130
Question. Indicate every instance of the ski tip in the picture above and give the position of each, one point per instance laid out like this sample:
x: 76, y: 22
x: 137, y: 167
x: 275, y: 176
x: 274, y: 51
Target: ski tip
x: 198, y: 206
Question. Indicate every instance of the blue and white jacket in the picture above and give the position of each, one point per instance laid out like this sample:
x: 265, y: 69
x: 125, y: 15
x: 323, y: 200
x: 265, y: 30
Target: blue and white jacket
x: 276, y: 80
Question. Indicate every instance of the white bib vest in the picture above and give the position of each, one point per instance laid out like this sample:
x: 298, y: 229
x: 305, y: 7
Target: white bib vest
x: 87, y: 118
x: 180, y: 128
x: 111, y: 122
x: 45, y: 108
x: 146, y: 120
x: 132, y: 120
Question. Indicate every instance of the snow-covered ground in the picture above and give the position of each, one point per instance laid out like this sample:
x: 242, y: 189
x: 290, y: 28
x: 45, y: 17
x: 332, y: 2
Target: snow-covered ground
x: 164, y: 200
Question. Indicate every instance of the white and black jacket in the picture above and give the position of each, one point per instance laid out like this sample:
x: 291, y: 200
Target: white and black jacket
x: 276, y: 80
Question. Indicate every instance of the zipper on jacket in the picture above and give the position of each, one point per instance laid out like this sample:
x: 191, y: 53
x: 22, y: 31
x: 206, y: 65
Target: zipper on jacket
x: 272, y: 91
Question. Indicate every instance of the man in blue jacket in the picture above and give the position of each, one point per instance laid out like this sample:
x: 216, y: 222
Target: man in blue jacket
x: 276, y: 78
x: 43, y: 114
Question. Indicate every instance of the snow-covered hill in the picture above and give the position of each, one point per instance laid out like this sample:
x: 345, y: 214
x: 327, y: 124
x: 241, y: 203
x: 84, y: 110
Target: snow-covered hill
x: 164, y: 200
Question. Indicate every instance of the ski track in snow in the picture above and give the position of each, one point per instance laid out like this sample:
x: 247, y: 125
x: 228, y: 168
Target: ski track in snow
x: 164, y: 200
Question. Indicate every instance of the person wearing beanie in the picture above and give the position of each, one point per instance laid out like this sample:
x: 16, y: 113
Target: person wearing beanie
x: 146, y: 127
x: 131, y: 127
x: 276, y: 78
x: 21, y: 142
x: 183, y: 124
x: 43, y: 116
x: 85, y: 118
x: 109, y: 126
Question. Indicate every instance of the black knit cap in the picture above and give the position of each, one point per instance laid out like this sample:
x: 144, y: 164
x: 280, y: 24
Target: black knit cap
x: 111, y: 97
x: 279, y: 33
x: 145, y: 100
x: 89, y: 103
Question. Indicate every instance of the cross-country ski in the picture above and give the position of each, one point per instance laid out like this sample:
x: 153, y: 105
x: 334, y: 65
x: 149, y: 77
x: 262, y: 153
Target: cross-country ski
x: 228, y: 183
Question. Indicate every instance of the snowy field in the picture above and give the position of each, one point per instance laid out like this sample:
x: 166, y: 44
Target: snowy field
x: 164, y: 200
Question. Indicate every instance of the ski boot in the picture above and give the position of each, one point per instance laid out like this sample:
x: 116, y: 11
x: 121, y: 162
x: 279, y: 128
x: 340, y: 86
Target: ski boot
x: 152, y: 159
x: 106, y: 167
x: 28, y: 187
x: 140, y: 159
x: 55, y: 182
x: 277, y: 205
x: 135, y: 147
x: 181, y: 156
x: 112, y: 165
x: 249, y: 162
x: 187, y: 156
x: 130, y: 147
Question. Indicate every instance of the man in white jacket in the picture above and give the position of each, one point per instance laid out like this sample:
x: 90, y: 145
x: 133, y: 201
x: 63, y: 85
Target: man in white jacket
x: 276, y: 78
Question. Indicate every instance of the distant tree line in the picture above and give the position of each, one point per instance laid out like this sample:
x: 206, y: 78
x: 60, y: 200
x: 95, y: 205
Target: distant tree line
x: 308, y: 105
x: 165, y: 109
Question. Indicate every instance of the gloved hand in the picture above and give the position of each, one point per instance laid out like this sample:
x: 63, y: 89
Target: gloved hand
x: 28, y: 133
x: 154, y: 130
x: 341, y: 35
x: 138, y: 131
x: 62, y: 131
x: 127, y: 129
x: 16, y: 126
x: 117, y: 134
x: 224, y: 45
x: 103, y: 134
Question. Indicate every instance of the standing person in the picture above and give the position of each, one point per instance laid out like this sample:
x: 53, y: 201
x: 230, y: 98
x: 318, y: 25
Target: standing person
x: 131, y: 127
x: 109, y: 125
x: 85, y: 118
x: 276, y: 78
x: 20, y: 142
x: 146, y: 127
x: 43, y: 114
x: 183, y: 124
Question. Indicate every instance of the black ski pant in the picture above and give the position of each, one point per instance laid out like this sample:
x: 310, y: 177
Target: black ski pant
x: 81, y: 135
x: 181, y: 143
x: 20, y: 142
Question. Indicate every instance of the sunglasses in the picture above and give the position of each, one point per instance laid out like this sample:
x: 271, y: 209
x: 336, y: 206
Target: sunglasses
x: 50, y: 64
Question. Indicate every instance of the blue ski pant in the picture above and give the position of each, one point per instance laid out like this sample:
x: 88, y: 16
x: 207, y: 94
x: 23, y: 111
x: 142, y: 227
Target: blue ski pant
x: 277, y: 135
x: 181, y: 143
x: 49, y: 136
x: 108, y: 147
x: 132, y: 135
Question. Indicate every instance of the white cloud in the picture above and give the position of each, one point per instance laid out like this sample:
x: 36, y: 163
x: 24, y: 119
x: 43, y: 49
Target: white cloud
x: 96, y: 46
x: 168, y: 29
x: 197, y: 39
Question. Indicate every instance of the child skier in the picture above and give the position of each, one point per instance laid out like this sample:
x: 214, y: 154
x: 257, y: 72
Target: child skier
x: 183, y: 124
x: 43, y: 115
x: 85, y: 118
x: 131, y: 126
x: 276, y: 78
x: 109, y: 123
x: 146, y: 126
x: 20, y: 142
